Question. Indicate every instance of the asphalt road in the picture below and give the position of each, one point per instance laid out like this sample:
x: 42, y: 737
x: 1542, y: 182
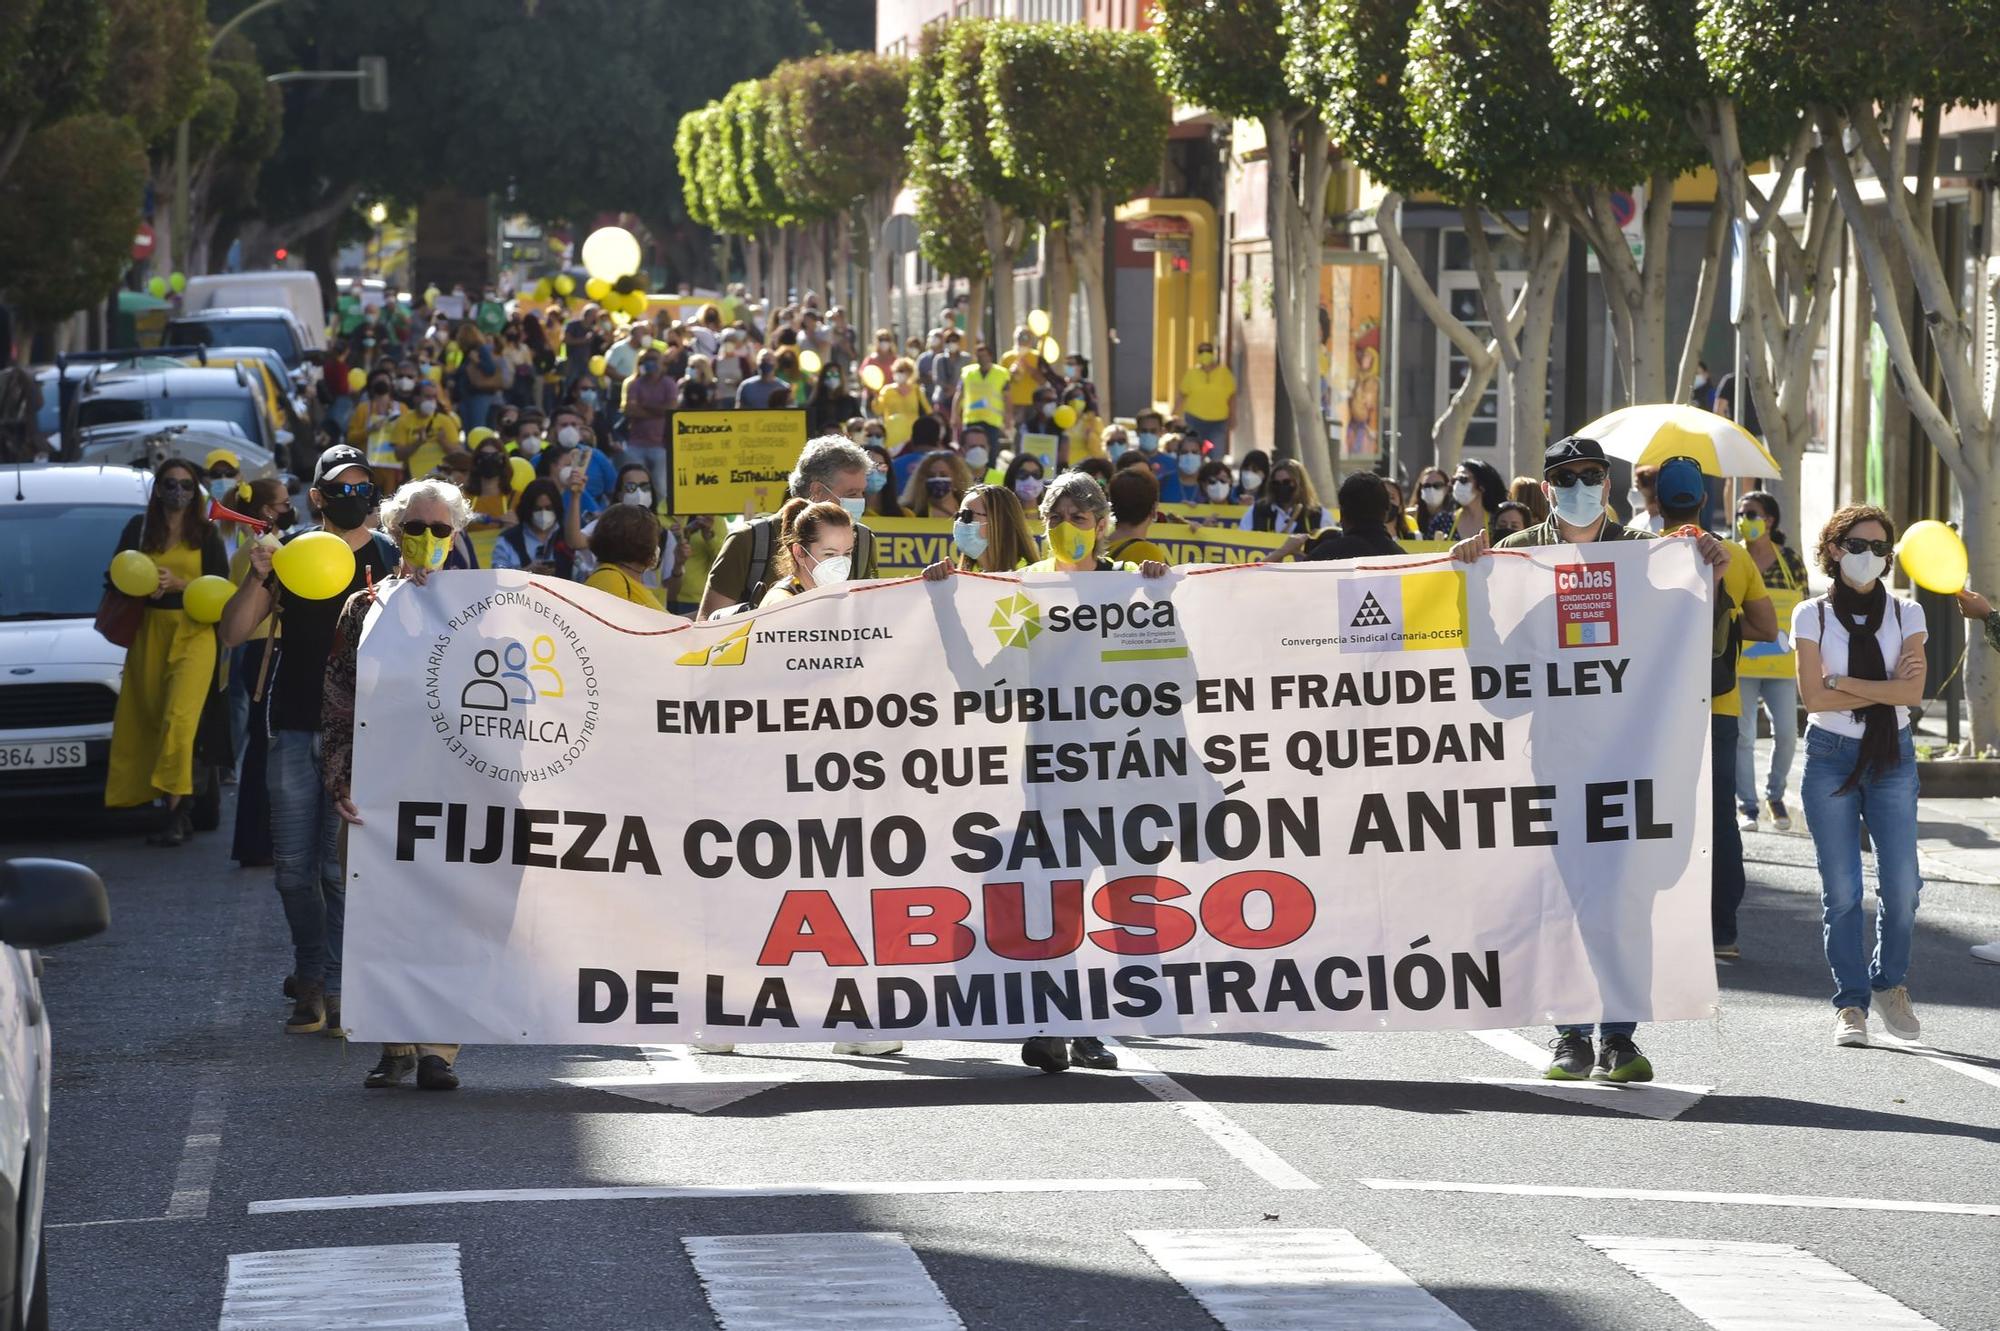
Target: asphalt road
x: 182, y: 1112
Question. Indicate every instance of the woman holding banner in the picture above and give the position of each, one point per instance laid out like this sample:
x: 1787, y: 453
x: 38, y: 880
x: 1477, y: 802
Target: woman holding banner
x: 424, y: 517
x: 990, y: 534
x: 815, y: 549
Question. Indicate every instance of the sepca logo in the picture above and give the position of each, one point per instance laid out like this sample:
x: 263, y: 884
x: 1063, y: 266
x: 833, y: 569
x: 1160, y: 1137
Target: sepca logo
x: 729, y: 652
x: 1016, y: 620
x: 509, y: 678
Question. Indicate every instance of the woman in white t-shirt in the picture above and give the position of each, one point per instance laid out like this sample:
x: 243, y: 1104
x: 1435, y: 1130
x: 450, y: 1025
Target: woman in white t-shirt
x: 1861, y: 667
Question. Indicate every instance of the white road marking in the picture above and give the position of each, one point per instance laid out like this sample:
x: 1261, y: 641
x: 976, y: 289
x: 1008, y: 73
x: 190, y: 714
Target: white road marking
x: 1223, y: 1130
x: 1758, y: 1286
x: 1515, y: 1045
x: 1673, y: 1195
x: 200, y: 1150
x: 674, y: 1079
x: 705, y: 1191
x: 345, y: 1289
x: 1294, y: 1280
x: 1652, y: 1099
x: 803, y: 1282
x: 1958, y: 1065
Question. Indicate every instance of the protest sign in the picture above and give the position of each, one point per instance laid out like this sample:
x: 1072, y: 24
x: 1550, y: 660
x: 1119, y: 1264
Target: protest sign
x: 1288, y: 797
x: 723, y: 460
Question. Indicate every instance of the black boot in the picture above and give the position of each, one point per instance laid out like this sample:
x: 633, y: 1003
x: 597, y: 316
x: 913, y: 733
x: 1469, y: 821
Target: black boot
x: 1087, y: 1051
x: 178, y: 829
x: 1050, y: 1053
x: 391, y: 1070
x: 333, y: 1026
x: 434, y: 1074
x: 309, y: 1012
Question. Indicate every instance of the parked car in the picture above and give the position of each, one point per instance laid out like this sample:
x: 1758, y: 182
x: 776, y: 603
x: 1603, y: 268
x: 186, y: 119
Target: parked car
x: 284, y: 390
x: 59, y: 382
x: 273, y: 326
x: 43, y: 903
x: 294, y: 289
x: 230, y: 395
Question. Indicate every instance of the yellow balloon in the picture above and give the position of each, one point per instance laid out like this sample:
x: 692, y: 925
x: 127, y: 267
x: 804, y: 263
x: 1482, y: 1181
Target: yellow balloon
x: 1934, y: 557
x: 565, y: 284
x: 357, y: 379
x: 1051, y: 351
x: 158, y: 287
x: 872, y: 376
x: 316, y: 567
x: 542, y: 291
x: 809, y: 361
x: 637, y: 303
x: 521, y: 472
x: 1038, y: 322
x: 597, y: 288
x: 1065, y: 417
x: 205, y: 597
x: 134, y: 574
x: 597, y: 364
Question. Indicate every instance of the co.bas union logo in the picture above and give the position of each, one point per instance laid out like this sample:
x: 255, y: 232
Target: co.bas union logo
x: 511, y: 688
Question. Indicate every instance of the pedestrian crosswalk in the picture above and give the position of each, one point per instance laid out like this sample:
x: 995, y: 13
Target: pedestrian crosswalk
x: 1246, y: 1279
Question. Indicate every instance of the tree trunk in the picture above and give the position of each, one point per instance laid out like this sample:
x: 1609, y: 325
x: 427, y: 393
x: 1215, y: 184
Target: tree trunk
x: 843, y: 265
x: 1982, y: 545
x: 1062, y: 281
x: 10, y: 147
x: 778, y: 281
x: 975, y: 310
x: 1296, y: 218
x: 753, y: 263
x: 1482, y: 354
x: 1000, y: 236
x: 875, y: 214
x: 1522, y: 331
x: 1086, y: 248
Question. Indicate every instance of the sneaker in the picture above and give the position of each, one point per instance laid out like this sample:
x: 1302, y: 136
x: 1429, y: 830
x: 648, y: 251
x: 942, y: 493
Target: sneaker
x: 1727, y: 952
x: 1987, y: 952
x: 390, y: 1071
x: 1573, y: 1054
x: 1749, y: 820
x: 713, y: 1047
x: 1619, y: 1060
x: 1898, y: 1017
x: 434, y: 1074
x: 1780, y: 819
x: 1088, y: 1051
x: 309, y: 1012
x: 1050, y: 1053
x: 869, y: 1048
x: 1851, y: 1027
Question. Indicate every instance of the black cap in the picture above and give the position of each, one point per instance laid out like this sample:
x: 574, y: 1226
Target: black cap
x: 338, y: 459
x: 1575, y: 448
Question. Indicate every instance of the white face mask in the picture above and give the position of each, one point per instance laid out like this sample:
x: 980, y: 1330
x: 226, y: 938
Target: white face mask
x: 1217, y: 491
x: 642, y: 341
x: 405, y: 384
x: 569, y: 436
x: 428, y: 406
x: 1461, y: 493
x: 1861, y: 570
x: 529, y: 444
x: 832, y: 571
x: 639, y: 498
x: 543, y: 518
x: 1250, y: 480
x: 975, y: 457
x: 1431, y: 494
x: 1635, y: 499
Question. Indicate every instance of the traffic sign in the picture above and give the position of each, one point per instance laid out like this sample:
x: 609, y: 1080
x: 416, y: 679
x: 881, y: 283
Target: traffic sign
x: 142, y: 242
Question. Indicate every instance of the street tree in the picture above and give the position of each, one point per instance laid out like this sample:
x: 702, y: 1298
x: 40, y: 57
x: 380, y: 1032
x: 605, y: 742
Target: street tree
x: 52, y: 57
x: 72, y: 204
x: 952, y: 239
x: 1044, y: 80
x: 1230, y: 59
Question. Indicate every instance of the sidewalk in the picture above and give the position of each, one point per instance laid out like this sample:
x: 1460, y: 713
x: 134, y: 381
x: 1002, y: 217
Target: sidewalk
x: 1958, y: 840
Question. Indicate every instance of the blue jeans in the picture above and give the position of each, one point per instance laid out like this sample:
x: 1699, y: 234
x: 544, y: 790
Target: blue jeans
x: 1781, y: 698
x: 305, y: 847
x: 1215, y: 432
x: 1725, y: 839
x: 1888, y: 803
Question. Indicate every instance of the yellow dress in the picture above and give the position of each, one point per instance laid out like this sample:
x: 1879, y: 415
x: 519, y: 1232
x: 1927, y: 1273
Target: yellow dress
x: 624, y: 586
x: 169, y: 673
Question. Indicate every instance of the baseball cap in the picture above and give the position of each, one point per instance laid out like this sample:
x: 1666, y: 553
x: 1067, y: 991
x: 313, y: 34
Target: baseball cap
x: 1680, y: 485
x: 1574, y: 448
x: 336, y: 460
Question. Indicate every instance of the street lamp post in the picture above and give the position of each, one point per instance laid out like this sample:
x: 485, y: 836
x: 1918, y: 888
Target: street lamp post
x: 182, y: 240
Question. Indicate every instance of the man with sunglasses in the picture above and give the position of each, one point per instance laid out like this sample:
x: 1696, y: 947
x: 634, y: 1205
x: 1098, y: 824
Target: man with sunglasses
x: 305, y: 829
x: 1575, y: 475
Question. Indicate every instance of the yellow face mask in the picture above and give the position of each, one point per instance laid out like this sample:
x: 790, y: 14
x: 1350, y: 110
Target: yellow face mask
x: 1070, y: 543
x: 426, y: 551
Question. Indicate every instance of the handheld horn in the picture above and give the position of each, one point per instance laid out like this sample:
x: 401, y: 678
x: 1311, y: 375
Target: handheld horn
x: 217, y: 513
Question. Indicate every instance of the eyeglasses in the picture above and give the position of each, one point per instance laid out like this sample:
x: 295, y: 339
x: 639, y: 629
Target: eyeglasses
x: 1563, y: 480
x: 1854, y: 545
x: 351, y: 490
x: 441, y: 530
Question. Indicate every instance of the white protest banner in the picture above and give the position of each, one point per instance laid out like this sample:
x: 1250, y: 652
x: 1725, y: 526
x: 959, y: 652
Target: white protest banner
x: 1395, y: 795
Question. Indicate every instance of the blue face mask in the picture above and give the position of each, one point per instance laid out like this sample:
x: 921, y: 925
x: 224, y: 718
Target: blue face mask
x: 589, y: 396
x: 876, y: 480
x: 1189, y: 463
x: 1116, y: 448
x: 1148, y: 443
x: 969, y: 538
x: 1579, y: 505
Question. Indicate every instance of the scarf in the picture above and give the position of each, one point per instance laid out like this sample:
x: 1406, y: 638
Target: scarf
x: 1860, y: 613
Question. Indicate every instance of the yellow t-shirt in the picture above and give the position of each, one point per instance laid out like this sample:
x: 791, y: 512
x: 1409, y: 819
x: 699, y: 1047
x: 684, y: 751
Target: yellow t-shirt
x: 984, y: 395
x: 431, y: 436
x: 1206, y: 393
x: 1742, y: 583
x: 1049, y: 566
x: 624, y: 586
x: 1137, y: 551
x: 485, y: 535
x: 899, y: 409
x: 1023, y: 377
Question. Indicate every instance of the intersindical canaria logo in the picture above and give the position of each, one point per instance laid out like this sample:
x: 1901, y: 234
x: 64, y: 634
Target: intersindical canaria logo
x: 729, y: 652
x: 1016, y: 620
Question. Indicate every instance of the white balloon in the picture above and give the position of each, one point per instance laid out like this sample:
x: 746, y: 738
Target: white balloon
x: 611, y: 252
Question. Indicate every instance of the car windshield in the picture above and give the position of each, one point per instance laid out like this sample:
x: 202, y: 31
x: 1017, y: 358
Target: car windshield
x: 53, y: 556
x: 275, y: 334
x: 240, y: 412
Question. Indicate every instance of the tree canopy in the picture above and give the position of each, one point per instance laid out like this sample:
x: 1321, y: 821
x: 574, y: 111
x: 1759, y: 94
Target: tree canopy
x: 72, y: 201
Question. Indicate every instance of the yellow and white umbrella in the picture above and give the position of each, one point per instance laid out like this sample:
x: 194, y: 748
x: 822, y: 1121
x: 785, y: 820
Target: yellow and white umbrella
x: 1650, y: 434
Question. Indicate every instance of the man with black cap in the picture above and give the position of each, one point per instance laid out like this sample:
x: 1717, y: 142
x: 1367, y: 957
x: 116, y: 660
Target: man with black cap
x: 305, y: 830
x: 1575, y: 475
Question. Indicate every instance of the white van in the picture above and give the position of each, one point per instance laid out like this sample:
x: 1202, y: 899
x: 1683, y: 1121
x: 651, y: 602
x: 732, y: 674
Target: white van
x: 294, y: 289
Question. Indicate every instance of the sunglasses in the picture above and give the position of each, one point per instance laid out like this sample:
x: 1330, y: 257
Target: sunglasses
x: 1563, y: 480
x: 634, y: 487
x: 223, y: 474
x: 441, y: 530
x: 351, y: 490
x: 1854, y: 545
x: 967, y: 515
x: 177, y: 487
